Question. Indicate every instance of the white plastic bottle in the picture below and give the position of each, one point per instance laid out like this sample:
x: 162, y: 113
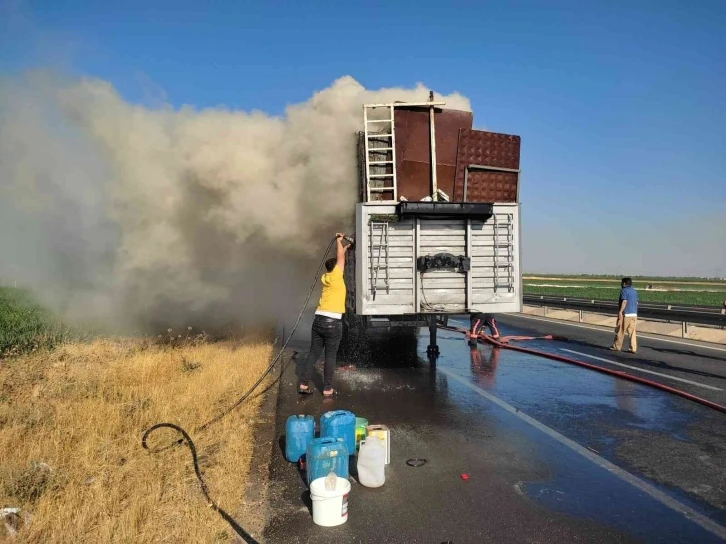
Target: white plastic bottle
x: 372, y: 462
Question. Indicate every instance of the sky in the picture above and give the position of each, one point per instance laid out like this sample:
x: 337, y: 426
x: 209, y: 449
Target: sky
x: 620, y: 105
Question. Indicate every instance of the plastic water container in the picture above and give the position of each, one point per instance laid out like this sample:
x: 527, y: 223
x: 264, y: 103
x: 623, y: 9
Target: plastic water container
x: 382, y: 432
x: 326, y: 454
x: 299, y: 431
x: 330, y: 506
x: 360, y: 430
x: 339, y: 424
x: 372, y: 462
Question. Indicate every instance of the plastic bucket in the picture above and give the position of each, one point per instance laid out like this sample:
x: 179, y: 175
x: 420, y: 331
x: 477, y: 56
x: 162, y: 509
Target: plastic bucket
x: 330, y: 508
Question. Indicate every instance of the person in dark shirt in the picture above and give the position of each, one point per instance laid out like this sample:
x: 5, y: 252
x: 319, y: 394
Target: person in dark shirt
x: 627, y: 316
x: 479, y: 321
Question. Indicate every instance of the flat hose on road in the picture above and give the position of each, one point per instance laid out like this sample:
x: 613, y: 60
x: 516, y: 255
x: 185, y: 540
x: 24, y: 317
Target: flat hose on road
x: 616, y: 373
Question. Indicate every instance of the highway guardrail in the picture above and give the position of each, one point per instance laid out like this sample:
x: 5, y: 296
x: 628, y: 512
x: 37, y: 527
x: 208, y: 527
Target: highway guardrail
x: 660, y: 312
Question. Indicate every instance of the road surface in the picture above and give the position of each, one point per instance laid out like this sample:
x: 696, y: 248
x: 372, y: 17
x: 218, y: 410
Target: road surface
x: 553, y: 452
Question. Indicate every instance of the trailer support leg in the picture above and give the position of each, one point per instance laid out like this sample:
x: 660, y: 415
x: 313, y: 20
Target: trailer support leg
x: 433, y: 350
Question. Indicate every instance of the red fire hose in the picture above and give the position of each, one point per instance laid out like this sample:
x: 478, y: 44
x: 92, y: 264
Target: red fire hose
x: 616, y: 373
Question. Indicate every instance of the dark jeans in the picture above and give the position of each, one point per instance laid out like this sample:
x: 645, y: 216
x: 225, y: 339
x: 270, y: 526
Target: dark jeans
x: 326, y: 333
x: 480, y: 320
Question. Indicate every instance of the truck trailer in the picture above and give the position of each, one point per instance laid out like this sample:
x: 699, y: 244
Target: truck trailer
x: 437, y: 227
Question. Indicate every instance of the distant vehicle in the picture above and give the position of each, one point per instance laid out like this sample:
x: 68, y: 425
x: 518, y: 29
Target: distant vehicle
x: 438, y: 219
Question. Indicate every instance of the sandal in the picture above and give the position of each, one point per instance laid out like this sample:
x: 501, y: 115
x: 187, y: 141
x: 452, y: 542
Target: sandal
x: 329, y: 392
x: 306, y: 391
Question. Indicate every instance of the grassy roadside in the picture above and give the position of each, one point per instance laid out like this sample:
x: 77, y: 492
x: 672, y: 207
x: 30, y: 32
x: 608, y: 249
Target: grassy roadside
x: 616, y: 278
x: 70, y: 427
x: 25, y: 326
x: 668, y: 292
x: 72, y: 414
x: 673, y: 297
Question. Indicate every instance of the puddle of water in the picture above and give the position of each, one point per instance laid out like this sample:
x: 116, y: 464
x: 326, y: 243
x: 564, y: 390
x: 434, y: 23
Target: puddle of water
x: 368, y: 379
x: 558, y: 391
x: 569, y: 483
x: 595, y: 410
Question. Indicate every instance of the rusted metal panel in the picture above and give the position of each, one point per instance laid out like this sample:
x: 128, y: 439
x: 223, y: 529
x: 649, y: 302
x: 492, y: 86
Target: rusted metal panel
x: 491, y: 187
x: 457, y: 147
x: 477, y: 147
x: 413, y: 152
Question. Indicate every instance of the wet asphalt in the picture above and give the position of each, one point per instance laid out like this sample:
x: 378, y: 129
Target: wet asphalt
x: 524, y: 484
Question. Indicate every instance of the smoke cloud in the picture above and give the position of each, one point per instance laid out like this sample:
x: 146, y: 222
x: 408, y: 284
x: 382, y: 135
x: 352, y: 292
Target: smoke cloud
x: 139, y: 217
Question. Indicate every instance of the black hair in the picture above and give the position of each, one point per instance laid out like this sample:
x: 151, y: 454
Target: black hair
x: 330, y: 264
x: 627, y: 282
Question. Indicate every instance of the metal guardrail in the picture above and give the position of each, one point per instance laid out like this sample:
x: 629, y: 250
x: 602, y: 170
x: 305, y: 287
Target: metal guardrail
x: 661, y: 312
x: 641, y: 304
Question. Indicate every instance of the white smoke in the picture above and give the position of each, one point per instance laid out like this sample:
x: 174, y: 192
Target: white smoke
x: 138, y: 216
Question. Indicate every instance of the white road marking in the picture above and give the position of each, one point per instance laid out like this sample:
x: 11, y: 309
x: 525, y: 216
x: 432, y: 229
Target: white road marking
x: 699, y: 384
x: 605, y: 330
x: 701, y: 520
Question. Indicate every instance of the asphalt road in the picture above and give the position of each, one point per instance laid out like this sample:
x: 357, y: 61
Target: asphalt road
x: 553, y: 452
x: 670, y: 361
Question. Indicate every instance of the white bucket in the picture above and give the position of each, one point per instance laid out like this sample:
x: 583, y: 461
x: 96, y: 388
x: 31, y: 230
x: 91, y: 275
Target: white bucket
x: 330, y: 508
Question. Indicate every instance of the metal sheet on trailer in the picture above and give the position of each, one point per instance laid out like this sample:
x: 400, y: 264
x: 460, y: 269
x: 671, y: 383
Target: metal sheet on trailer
x: 413, y: 154
x: 477, y: 147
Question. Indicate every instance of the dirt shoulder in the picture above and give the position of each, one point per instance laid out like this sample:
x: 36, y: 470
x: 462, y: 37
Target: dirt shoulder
x: 254, y: 510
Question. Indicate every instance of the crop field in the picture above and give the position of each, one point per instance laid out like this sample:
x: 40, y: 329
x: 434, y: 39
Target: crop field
x: 699, y: 292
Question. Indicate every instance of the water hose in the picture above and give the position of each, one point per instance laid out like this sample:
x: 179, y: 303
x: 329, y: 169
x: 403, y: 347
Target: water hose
x: 238, y: 529
x: 616, y: 373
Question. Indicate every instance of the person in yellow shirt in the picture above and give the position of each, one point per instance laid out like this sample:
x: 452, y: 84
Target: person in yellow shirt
x: 327, y: 329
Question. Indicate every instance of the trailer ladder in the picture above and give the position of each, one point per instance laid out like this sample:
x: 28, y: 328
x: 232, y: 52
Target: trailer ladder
x: 376, y: 251
x: 503, y: 241
x: 380, y: 148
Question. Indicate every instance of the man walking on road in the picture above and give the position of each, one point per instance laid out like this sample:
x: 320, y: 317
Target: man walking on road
x: 327, y: 329
x: 627, y: 316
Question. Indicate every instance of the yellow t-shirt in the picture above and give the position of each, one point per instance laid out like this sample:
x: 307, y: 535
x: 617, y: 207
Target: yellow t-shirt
x: 332, y: 298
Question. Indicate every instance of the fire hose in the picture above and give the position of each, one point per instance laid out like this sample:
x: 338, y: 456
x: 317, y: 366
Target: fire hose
x: 239, y: 530
x: 617, y: 373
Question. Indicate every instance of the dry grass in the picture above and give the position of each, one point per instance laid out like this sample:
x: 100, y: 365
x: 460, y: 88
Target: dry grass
x: 70, y: 428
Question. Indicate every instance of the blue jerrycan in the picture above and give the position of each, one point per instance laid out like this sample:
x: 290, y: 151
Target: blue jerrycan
x: 299, y: 431
x: 339, y: 424
x: 326, y: 454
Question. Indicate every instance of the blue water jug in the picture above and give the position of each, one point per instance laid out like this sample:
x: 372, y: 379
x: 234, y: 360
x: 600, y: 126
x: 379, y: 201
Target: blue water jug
x: 299, y: 431
x: 326, y: 454
x: 339, y: 424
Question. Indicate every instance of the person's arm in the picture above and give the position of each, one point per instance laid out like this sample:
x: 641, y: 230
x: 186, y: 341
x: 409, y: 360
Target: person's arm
x: 340, y: 255
x: 622, y: 302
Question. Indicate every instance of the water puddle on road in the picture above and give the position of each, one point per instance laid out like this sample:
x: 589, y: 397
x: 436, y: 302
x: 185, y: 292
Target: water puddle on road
x: 654, y: 435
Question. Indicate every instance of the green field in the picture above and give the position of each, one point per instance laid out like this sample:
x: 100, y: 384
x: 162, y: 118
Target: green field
x: 616, y: 278
x: 664, y: 290
x: 26, y: 326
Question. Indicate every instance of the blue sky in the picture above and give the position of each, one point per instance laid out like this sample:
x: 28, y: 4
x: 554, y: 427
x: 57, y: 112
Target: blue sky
x: 620, y: 105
